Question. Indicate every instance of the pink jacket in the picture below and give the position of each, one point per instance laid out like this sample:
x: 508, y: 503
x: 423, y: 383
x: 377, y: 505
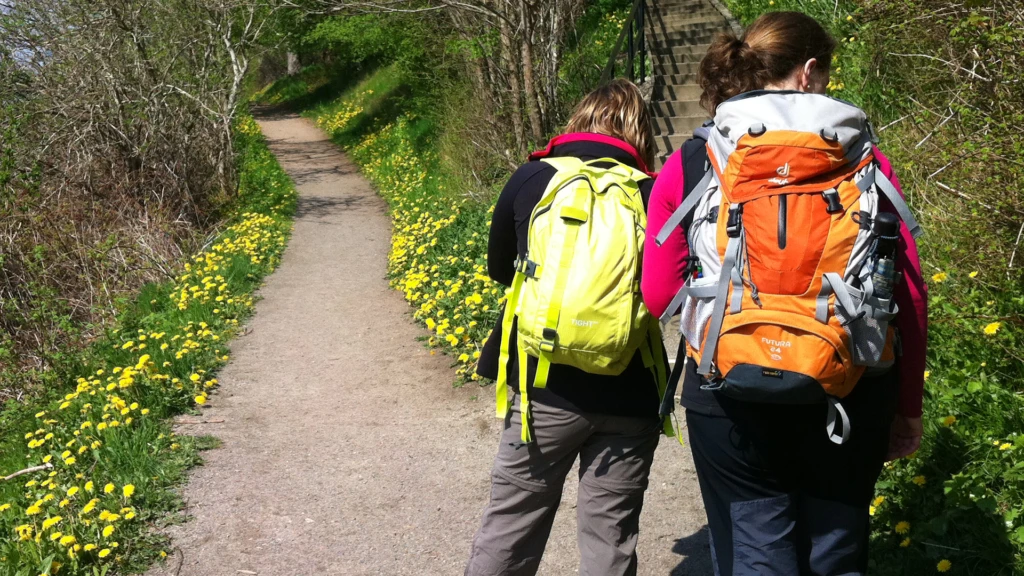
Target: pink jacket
x: 664, y: 265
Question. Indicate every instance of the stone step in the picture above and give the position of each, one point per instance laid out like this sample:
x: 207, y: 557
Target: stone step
x: 677, y: 36
x: 665, y: 92
x: 670, y: 108
x: 677, y: 3
x: 677, y: 79
x: 665, y: 22
x: 665, y: 14
x: 683, y: 38
x: 667, y: 126
x: 690, y: 50
x: 668, y: 64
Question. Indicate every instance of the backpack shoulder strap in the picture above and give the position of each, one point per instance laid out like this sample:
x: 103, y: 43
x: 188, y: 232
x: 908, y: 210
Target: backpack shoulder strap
x: 694, y: 158
x: 875, y: 177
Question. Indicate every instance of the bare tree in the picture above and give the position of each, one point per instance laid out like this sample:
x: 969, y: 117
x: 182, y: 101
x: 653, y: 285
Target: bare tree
x: 116, y: 139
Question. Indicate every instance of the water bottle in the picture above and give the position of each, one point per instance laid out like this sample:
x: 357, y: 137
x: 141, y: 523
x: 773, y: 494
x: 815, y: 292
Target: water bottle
x: 886, y: 232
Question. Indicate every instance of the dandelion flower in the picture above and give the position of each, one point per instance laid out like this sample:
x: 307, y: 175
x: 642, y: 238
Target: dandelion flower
x: 943, y: 565
x: 107, y: 531
x: 905, y: 543
x: 993, y: 328
x: 128, y: 490
x: 940, y: 277
x: 51, y: 522
x: 920, y: 480
x: 973, y: 274
x: 903, y: 527
x: 104, y: 553
x: 109, y: 488
x: 1005, y: 446
x: 200, y: 399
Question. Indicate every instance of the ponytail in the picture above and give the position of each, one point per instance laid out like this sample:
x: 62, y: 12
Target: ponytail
x: 768, y: 52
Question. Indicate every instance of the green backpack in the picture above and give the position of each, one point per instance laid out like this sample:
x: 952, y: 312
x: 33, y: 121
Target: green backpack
x: 577, y: 292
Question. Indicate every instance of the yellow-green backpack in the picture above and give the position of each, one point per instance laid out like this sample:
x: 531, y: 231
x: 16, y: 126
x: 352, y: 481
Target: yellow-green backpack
x: 577, y: 291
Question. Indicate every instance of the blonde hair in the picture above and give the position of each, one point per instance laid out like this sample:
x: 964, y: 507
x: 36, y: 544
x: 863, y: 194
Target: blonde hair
x: 617, y: 109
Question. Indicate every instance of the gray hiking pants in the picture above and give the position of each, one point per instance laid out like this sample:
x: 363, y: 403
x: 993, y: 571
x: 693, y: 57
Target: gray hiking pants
x: 526, y: 486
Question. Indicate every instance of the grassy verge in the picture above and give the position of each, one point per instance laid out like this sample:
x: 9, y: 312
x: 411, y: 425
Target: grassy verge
x: 105, y: 459
x: 957, y: 506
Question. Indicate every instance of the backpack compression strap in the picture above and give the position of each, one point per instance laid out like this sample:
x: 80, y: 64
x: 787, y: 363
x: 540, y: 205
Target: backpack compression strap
x: 875, y: 177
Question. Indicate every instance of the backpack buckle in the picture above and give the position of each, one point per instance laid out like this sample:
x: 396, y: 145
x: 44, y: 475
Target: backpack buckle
x: 527, y: 267
x: 548, y: 343
x: 832, y: 197
x: 734, y: 225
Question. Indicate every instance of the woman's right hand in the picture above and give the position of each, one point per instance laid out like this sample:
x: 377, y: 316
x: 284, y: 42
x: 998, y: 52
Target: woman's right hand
x: 904, y: 437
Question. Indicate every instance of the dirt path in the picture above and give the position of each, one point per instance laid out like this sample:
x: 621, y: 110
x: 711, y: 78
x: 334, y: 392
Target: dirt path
x: 345, y: 448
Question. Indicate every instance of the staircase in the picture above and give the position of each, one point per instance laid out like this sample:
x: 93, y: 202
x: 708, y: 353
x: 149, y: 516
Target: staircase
x: 678, y: 35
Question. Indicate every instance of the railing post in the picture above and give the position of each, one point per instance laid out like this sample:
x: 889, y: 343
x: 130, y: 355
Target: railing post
x: 641, y: 19
x: 629, y: 53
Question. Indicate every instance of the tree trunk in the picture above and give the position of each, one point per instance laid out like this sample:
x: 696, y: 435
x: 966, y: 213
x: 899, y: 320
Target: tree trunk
x: 512, y: 72
x: 532, y: 106
x: 293, y: 64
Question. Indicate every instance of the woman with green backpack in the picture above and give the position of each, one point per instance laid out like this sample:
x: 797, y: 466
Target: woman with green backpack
x: 567, y: 237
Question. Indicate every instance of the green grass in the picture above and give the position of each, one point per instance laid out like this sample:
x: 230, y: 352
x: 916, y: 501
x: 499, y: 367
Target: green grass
x: 114, y: 461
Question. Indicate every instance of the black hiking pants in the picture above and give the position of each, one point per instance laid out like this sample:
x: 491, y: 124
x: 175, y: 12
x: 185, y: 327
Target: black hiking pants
x: 781, y: 498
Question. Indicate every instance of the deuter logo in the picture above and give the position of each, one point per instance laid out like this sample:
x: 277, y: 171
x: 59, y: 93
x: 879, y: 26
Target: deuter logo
x: 583, y: 323
x: 782, y: 171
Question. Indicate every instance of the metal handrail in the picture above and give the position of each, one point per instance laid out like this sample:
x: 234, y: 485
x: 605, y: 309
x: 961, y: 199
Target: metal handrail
x: 636, y: 50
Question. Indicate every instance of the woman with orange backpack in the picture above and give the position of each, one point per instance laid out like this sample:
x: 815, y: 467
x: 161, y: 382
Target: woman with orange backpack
x: 781, y: 236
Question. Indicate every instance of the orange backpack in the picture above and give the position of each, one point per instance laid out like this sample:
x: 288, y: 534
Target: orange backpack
x: 781, y: 307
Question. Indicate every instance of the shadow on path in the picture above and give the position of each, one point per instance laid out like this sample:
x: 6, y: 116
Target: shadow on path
x: 696, y: 552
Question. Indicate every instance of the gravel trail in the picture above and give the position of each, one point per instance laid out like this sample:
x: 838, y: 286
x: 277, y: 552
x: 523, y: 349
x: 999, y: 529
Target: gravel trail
x: 345, y: 448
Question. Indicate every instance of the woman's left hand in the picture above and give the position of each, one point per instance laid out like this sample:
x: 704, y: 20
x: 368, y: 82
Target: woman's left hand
x: 904, y: 437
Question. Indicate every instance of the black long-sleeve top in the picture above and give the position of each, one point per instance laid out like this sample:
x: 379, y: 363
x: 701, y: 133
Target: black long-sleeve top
x: 631, y: 393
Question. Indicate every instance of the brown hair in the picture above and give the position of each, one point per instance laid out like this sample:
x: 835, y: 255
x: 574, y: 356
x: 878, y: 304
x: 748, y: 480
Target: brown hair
x: 617, y: 109
x: 770, y: 49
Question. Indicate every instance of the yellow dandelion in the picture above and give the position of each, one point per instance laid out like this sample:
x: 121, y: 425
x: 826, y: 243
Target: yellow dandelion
x: 51, y: 522
x: 903, y: 527
x: 905, y: 543
x: 992, y: 328
x: 109, y: 488
x: 940, y: 277
x: 1005, y: 446
x: 128, y: 490
x: 920, y: 480
x: 973, y: 274
x: 104, y: 553
x: 943, y: 565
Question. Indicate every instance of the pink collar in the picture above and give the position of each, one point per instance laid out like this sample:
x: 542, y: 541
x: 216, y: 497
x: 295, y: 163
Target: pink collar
x: 592, y: 137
